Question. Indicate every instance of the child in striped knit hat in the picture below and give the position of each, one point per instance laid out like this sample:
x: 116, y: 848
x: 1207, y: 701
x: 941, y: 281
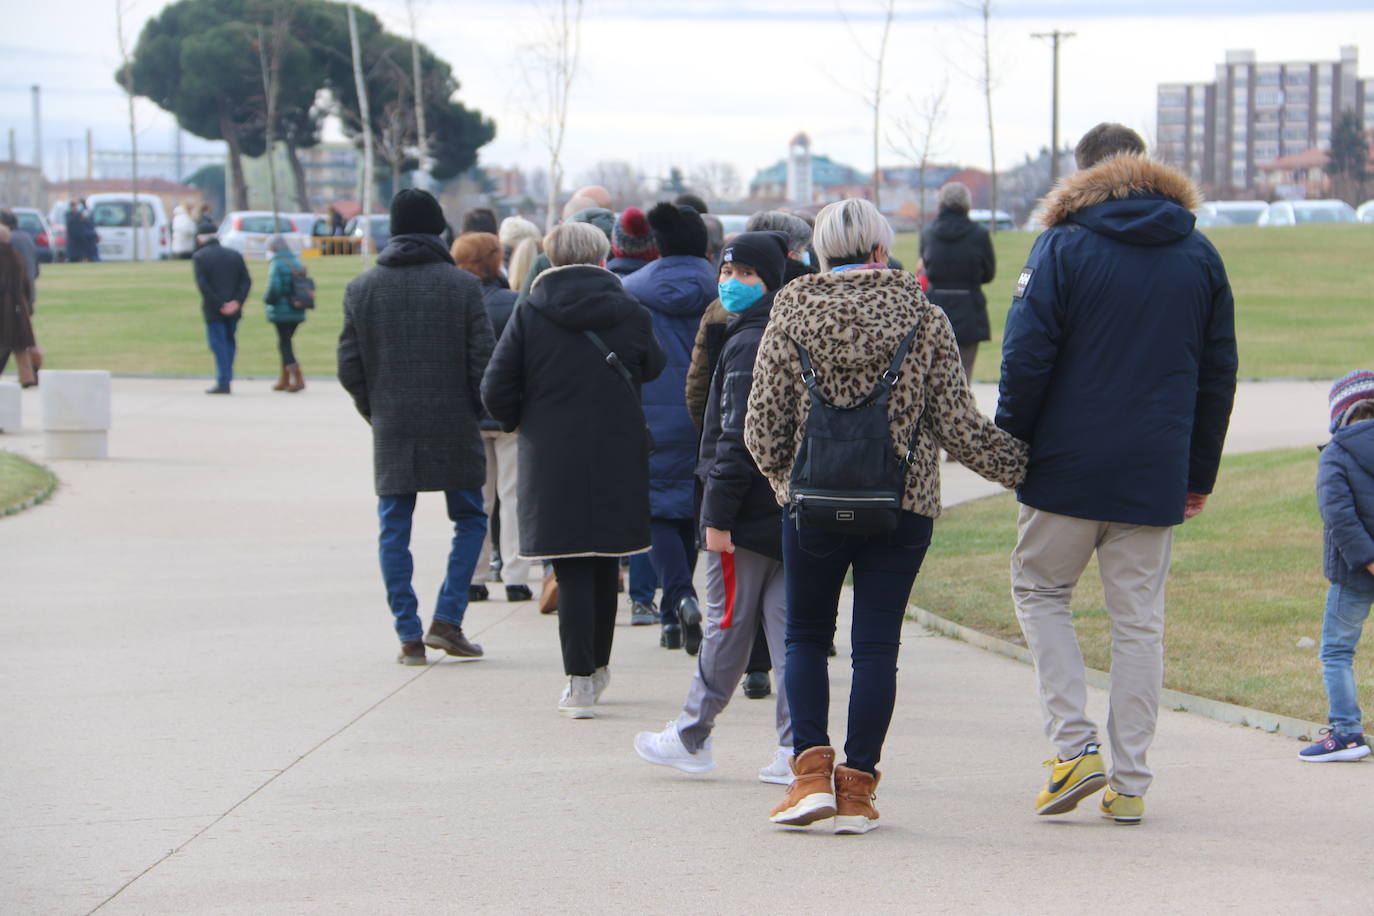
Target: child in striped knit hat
x: 1345, y: 493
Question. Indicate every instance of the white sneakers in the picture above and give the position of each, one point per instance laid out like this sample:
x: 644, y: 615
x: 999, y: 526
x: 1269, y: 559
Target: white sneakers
x: 578, y: 698
x: 665, y: 748
x: 779, y: 772
x: 601, y: 679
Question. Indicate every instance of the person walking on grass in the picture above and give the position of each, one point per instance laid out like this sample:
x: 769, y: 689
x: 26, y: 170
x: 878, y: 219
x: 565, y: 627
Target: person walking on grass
x: 415, y: 342
x: 1345, y: 494
x: 282, y: 311
x: 742, y: 526
x: 224, y: 282
x: 566, y: 374
x: 873, y: 340
x: 1119, y: 369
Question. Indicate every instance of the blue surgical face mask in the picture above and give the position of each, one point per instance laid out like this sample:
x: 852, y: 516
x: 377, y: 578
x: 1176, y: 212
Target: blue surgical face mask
x: 736, y: 297
x: 806, y: 257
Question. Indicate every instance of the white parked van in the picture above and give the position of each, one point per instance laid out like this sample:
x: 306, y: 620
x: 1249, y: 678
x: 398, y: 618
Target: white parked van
x: 113, y: 216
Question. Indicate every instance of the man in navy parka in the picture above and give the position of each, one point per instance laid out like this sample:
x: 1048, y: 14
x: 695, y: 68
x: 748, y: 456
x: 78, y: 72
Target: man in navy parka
x: 1119, y: 369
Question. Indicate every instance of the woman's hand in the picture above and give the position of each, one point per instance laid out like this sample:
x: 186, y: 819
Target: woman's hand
x: 719, y: 541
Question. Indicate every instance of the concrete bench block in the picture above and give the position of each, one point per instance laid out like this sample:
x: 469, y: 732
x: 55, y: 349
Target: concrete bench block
x: 76, y: 413
x: 11, y: 407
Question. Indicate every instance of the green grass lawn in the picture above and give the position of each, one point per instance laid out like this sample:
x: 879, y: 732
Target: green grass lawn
x: 1246, y: 585
x: 146, y: 318
x: 1305, y: 307
x: 20, y: 481
x: 1304, y: 296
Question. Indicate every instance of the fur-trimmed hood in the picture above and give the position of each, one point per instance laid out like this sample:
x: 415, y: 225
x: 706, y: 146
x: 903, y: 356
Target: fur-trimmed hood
x: 1126, y: 197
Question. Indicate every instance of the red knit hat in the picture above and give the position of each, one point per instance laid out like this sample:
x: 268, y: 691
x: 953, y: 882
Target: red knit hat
x: 632, y: 237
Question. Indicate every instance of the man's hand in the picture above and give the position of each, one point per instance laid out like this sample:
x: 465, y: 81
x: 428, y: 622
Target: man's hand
x: 719, y: 541
x: 1193, y: 505
x: 230, y: 307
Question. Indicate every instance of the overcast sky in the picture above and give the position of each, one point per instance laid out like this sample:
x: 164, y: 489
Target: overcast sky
x: 678, y: 82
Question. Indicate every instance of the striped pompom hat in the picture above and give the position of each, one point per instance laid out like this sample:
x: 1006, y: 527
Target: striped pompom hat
x: 1348, y: 391
x: 632, y: 237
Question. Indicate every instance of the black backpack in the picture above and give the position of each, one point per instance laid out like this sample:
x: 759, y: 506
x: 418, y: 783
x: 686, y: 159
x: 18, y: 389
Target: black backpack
x: 846, y: 477
x: 302, y: 289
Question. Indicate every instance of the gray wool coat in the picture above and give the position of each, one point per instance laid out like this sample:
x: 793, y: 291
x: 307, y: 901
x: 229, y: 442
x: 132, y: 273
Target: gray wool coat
x: 415, y: 342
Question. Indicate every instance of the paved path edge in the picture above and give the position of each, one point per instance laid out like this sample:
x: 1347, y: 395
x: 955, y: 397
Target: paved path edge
x: 1174, y: 699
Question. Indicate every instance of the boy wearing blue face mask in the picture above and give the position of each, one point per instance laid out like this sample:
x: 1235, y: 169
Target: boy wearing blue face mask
x: 742, y: 523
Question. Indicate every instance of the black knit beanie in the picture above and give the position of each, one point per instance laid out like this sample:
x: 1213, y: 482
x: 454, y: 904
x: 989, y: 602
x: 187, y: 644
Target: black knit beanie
x: 678, y: 230
x: 766, y: 252
x: 416, y: 212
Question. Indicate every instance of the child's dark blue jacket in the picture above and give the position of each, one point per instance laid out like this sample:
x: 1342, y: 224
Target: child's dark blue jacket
x: 1345, y: 494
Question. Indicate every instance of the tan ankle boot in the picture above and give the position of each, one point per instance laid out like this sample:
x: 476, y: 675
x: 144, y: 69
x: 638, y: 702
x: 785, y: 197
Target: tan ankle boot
x: 854, y: 795
x: 297, y: 381
x: 811, y: 797
x: 283, y: 381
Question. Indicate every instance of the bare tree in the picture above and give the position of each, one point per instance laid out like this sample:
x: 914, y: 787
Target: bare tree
x: 269, y: 57
x: 873, y: 95
x: 716, y: 180
x: 625, y: 185
x: 367, y: 132
x: 916, y: 134
x: 421, y: 137
x: 982, y: 77
x: 136, y: 217
x: 550, y: 66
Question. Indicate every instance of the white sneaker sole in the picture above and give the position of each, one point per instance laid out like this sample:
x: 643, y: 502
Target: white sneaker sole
x: 687, y: 766
x: 775, y: 779
x: 1344, y: 754
x: 815, y: 807
x: 851, y: 824
x: 577, y: 712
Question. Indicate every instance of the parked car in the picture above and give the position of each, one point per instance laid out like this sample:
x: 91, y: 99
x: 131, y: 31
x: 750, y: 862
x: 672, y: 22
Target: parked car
x: 379, y: 228
x: 32, y: 222
x: 1206, y: 219
x: 247, y: 232
x: 113, y: 215
x: 982, y: 217
x: 1233, y: 212
x: 1302, y: 212
x: 732, y: 223
x: 1365, y: 212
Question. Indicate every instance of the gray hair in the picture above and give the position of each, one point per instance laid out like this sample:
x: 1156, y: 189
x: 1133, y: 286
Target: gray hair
x: 955, y: 196
x: 848, y: 230
x: 576, y: 243
x: 794, y: 227
x: 276, y: 243
x: 515, y: 229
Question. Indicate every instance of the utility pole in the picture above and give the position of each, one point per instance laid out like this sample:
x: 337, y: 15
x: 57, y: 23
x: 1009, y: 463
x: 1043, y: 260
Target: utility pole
x: 37, y: 130
x: 366, y: 116
x: 1055, y: 37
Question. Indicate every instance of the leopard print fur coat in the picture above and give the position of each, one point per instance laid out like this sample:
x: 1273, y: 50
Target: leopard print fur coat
x: 851, y: 323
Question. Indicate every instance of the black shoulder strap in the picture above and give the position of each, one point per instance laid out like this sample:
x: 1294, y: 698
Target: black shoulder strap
x: 886, y: 381
x: 613, y: 360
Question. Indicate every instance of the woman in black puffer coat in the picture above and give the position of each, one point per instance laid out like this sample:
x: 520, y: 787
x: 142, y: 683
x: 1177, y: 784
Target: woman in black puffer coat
x: 956, y: 254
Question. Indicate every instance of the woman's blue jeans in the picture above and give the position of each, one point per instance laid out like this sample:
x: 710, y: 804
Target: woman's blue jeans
x: 469, y: 529
x: 1346, y: 611
x: 815, y: 563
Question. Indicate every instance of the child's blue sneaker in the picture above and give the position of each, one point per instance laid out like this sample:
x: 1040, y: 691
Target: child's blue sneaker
x: 1335, y: 747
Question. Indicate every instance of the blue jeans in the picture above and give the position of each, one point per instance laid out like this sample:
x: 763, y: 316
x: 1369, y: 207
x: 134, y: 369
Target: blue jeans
x: 643, y: 579
x: 222, y: 344
x: 815, y: 563
x: 1346, y: 611
x: 469, y: 530
x: 674, y: 555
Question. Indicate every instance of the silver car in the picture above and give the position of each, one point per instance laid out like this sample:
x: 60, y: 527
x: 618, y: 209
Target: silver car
x: 1303, y: 212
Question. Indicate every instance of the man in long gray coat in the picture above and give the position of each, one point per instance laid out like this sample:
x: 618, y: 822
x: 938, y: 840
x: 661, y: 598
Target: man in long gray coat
x: 415, y: 342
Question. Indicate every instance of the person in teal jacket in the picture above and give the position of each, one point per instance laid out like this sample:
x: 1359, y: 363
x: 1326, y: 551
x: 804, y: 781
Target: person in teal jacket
x: 282, y: 314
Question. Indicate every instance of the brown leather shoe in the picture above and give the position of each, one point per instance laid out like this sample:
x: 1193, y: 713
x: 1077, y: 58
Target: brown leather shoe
x: 444, y: 635
x: 854, y: 795
x: 811, y: 797
x: 412, y: 653
x: 297, y: 379
x: 283, y: 381
x: 548, y: 598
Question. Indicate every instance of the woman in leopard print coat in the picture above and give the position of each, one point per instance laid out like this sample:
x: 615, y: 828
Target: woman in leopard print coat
x: 851, y: 318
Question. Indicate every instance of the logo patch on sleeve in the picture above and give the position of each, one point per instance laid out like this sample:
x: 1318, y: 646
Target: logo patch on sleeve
x: 1023, y: 281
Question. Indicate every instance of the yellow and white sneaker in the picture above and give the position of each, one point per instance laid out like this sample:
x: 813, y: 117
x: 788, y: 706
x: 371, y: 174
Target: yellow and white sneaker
x: 1071, y: 781
x: 1124, y: 809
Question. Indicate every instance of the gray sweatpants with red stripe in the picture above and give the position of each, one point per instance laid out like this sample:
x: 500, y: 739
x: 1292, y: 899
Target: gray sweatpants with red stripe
x: 725, y: 651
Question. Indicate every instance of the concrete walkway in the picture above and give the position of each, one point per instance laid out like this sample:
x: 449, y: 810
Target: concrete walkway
x: 202, y: 715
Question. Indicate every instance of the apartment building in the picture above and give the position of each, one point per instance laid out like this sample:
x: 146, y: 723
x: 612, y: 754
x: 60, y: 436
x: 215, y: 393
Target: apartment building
x: 1221, y: 132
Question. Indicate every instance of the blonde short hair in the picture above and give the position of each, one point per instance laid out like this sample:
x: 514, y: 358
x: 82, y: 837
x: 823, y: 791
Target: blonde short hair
x: 576, y: 243
x: 848, y: 230
x: 514, y: 230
